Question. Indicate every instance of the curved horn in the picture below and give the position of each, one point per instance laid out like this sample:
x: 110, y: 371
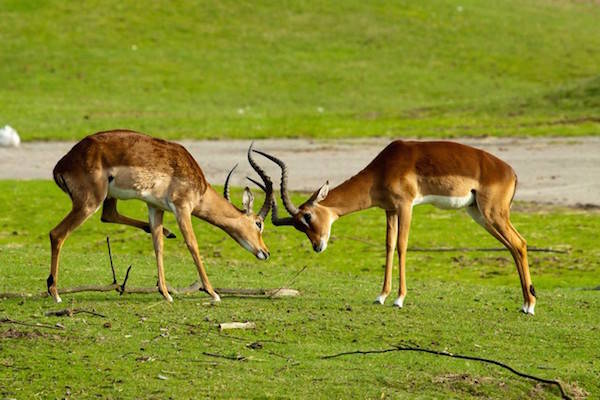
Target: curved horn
x: 274, y: 215
x: 287, y: 202
x: 268, y: 186
x: 275, y: 218
x: 226, y: 188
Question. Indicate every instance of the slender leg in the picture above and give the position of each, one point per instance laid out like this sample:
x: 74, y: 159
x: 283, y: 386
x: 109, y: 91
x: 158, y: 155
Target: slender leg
x: 185, y: 225
x: 497, y: 223
x: 488, y: 225
x: 390, y: 245
x: 58, y: 235
x: 111, y: 215
x: 518, y: 249
x: 404, y: 218
x: 156, y: 218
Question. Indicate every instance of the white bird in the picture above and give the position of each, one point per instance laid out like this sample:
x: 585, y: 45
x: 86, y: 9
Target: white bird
x: 9, y: 137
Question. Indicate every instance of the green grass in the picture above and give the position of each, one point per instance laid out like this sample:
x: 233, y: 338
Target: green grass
x: 465, y: 303
x: 283, y: 69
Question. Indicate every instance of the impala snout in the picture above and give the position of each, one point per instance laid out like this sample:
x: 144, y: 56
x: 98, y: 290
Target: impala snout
x: 320, y: 246
x: 262, y: 254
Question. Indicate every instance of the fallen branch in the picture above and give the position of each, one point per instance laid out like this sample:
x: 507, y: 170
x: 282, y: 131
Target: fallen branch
x: 447, y: 354
x: 72, y: 311
x: 532, y: 249
x: 233, y: 358
x: 35, y: 325
x: 459, y: 249
x: 193, y: 288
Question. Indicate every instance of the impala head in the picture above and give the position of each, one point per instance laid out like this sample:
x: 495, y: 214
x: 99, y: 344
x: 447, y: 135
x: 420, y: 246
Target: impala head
x: 311, y: 217
x: 249, y: 226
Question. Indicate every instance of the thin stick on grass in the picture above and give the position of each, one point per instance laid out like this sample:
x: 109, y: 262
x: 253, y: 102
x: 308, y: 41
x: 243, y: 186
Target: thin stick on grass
x: 532, y: 249
x: 35, y: 325
x: 285, y: 287
x: 72, y: 311
x: 448, y: 354
x: 232, y: 358
x: 193, y: 288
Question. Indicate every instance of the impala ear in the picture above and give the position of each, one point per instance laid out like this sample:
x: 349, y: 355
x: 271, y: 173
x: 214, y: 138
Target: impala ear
x: 248, y: 200
x: 320, y: 194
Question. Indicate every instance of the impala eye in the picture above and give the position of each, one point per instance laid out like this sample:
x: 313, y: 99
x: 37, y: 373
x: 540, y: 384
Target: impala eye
x: 307, y: 218
x: 259, y: 225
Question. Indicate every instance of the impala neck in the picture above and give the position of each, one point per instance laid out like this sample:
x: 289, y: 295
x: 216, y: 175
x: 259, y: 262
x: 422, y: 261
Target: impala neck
x: 216, y: 210
x: 350, y: 196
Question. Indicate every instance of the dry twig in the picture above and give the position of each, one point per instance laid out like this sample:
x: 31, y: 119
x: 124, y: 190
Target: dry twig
x: 35, y: 325
x: 531, y: 249
x: 448, y: 354
x: 233, y: 358
x: 72, y: 311
x: 193, y: 288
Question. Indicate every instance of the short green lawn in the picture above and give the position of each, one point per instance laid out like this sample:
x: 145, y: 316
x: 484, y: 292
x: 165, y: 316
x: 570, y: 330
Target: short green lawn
x: 314, y: 69
x: 462, y: 302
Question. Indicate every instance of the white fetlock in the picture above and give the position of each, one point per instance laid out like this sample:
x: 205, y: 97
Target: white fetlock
x: 525, y: 307
x: 168, y: 298
x: 399, y: 302
x: 530, y: 309
x: 57, y: 299
x: 380, y: 299
x: 216, y: 298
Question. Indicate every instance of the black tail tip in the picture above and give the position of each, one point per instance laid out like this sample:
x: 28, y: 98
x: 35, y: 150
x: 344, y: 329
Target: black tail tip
x: 171, y: 235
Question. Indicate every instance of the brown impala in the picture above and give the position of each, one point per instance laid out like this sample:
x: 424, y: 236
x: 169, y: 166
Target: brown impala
x: 123, y: 164
x: 407, y: 173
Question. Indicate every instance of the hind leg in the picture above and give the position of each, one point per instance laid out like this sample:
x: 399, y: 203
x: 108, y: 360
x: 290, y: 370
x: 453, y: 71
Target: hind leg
x: 111, y: 215
x: 87, y: 193
x: 59, y: 234
x: 494, y: 216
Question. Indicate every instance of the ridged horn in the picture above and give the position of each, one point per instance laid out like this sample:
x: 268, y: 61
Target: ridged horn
x: 267, y: 187
x: 226, y: 188
x: 287, y: 202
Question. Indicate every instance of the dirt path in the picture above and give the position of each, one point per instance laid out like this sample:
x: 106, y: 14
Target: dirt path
x: 554, y: 170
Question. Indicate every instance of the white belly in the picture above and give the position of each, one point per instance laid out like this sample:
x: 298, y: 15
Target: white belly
x: 445, y: 202
x: 147, y: 197
x: 138, y: 183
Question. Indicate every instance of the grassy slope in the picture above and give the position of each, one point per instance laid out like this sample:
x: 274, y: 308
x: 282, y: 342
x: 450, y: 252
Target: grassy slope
x: 239, y: 69
x: 463, y: 302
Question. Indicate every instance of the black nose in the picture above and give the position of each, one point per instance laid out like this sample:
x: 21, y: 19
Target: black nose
x: 315, y: 247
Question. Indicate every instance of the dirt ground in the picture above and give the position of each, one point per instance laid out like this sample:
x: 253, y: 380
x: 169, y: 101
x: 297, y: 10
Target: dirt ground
x: 563, y: 171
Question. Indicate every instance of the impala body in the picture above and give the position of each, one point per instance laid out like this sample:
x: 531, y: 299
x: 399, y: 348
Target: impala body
x: 108, y: 166
x: 408, y: 173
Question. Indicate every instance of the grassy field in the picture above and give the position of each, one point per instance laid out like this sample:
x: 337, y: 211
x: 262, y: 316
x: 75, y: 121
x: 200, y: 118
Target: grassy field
x: 284, y: 69
x: 462, y: 302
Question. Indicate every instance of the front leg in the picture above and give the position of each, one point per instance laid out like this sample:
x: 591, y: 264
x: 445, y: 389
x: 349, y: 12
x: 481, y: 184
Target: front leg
x: 404, y: 218
x: 156, y: 219
x: 390, y: 244
x: 184, y: 219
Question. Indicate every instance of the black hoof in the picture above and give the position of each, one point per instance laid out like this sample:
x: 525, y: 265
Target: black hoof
x: 171, y: 235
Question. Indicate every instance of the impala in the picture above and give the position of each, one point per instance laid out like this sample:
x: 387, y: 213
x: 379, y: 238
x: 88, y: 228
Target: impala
x: 121, y: 164
x: 408, y: 173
